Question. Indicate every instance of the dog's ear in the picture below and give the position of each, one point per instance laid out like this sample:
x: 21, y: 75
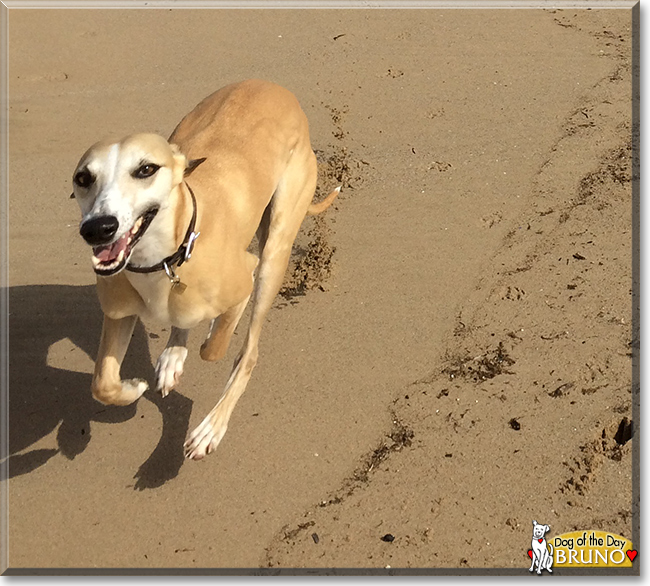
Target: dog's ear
x: 72, y: 195
x: 182, y: 167
x: 191, y: 165
x: 547, y: 529
x: 180, y: 162
x: 534, y: 523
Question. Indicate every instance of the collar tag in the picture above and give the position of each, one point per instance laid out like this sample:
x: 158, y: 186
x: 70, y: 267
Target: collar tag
x: 175, y: 280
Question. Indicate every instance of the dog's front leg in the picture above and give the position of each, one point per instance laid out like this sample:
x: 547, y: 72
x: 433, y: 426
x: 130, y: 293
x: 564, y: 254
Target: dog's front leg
x: 540, y: 560
x: 532, y: 563
x: 543, y: 560
x: 170, y: 364
x: 107, y: 386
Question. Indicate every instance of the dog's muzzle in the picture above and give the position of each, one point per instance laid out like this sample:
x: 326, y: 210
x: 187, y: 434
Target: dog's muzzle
x: 111, y: 255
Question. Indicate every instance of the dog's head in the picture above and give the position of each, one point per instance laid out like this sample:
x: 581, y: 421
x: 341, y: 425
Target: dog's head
x: 120, y: 187
x: 539, y: 530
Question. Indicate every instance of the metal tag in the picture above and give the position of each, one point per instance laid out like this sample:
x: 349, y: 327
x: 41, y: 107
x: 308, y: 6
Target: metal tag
x: 175, y: 279
x: 179, y: 286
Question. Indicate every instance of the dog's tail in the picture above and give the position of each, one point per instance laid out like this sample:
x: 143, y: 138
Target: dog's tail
x: 321, y: 206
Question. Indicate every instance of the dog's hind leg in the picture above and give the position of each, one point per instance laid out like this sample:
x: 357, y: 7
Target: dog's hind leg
x: 170, y: 364
x: 549, y: 562
x: 221, y: 330
x: 223, y: 327
x: 107, y: 386
x: 287, y: 212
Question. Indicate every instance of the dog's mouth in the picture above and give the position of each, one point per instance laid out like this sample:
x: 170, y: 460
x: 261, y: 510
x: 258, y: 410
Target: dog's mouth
x: 112, y: 258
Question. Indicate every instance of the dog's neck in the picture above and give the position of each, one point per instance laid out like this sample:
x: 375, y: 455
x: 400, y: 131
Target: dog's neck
x: 167, y: 231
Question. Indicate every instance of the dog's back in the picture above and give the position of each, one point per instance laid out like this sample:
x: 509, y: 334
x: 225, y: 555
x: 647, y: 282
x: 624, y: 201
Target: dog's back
x: 235, y: 121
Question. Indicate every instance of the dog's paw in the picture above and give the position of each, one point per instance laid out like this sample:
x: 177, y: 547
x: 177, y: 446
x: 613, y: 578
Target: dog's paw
x: 119, y: 393
x: 134, y: 388
x: 206, y: 437
x: 169, y: 368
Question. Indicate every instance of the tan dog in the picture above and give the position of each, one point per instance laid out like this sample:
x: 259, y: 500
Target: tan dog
x: 253, y: 171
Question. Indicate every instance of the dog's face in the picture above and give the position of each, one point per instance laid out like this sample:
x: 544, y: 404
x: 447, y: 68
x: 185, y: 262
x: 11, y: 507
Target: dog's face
x: 120, y: 187
x: 539, y: 530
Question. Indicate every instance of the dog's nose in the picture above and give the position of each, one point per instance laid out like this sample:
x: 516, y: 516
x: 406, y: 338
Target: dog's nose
x: 99, y: 230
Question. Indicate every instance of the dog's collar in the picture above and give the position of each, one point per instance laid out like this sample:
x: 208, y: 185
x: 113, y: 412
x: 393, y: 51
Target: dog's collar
x: 183, y: 253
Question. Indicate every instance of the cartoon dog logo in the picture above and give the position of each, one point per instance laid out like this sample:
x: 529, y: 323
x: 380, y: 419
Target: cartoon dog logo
x: 540, y: 553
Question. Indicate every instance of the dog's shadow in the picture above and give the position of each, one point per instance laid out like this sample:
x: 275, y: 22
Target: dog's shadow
x: 42, y: 397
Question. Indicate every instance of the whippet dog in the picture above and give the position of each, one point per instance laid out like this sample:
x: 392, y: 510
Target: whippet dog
x: 170, y: 222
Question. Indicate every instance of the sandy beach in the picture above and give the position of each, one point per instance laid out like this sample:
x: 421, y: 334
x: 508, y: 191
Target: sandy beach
x: 451, y: 356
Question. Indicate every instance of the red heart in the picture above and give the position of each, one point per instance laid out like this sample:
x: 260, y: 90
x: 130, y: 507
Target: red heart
x: 540, y: 540
x: 530, y: 554
x: 631, y: 553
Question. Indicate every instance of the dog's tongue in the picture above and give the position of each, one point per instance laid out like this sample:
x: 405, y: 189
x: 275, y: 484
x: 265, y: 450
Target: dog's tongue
x: 109, y: 253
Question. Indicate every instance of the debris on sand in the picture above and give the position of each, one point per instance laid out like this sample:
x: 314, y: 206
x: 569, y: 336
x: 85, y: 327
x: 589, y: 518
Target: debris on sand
x: 486, y: 366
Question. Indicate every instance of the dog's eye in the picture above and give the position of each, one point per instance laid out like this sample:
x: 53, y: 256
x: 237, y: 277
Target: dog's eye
x: 145, y: 171
x: 84, y: 179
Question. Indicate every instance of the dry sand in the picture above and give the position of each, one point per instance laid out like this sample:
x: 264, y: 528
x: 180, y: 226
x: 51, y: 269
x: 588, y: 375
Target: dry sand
x: 451, y: 357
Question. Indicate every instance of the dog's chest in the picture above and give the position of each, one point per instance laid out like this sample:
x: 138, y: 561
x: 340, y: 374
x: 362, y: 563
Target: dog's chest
x: 154, y: 292
x: 538, y: 543
x: 168, y: 304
